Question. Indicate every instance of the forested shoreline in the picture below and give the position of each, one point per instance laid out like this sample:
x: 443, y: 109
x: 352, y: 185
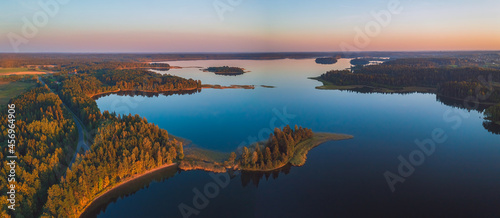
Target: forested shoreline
x: 448, y: 77
x: 122, y: 146
x: 126, y: 146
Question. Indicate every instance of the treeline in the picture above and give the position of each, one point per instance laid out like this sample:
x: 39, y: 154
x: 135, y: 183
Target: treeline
x: 89, y: 67
x: 45, y: 134
x: 73, y: 60
x: 464, y: 89
x: 13, y: 78
x: 430, y: 62
x: 459, y: 83
x: 124, y: 147
x: 76, y: 90
x: 276, y: 152
x: 399, y: 76
x: 493, y: 114
x: 145, y: 81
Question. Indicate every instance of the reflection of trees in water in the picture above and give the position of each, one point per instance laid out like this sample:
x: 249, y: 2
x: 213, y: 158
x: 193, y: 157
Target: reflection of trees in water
x: 455, y: 103
x: 128, y: 189
x: 148, y: 94
x: 255, y: 177
x: 488, y: 125
x: 372, y: 90
x: 492, y: 127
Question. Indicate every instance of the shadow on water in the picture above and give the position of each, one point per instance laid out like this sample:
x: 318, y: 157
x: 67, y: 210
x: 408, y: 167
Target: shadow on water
x: 462, y: 104
x: 491, y: 127
x: 127, y: 189
x: 255, y: 177
x: 373, y: 90
x: 148, y: 94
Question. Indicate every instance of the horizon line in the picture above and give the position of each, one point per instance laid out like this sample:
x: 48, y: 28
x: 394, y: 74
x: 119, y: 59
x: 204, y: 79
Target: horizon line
x: 259, y: 52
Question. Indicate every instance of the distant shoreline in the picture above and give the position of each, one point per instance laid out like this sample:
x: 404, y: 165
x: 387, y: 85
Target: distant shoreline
x: 329, y: 86
x: 404, y: 90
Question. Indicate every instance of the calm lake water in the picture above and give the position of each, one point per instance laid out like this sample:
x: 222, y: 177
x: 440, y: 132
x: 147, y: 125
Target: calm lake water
x: 339, y: 179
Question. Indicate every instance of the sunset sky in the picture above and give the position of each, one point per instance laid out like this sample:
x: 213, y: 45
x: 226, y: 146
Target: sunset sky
x: 250, y: 26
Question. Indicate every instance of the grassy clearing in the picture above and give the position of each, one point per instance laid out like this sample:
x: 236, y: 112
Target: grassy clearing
x: 300, y: 156
x: 203, y: 159
x: 200, y: 154
x: 12, y: 70
x: 17, y: 70
x: 13, y: 89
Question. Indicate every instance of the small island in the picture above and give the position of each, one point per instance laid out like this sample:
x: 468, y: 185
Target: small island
x: 268, y: 87
x: 226, y: 70
x: 327, y: 60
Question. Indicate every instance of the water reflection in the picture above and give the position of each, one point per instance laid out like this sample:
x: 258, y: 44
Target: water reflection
x: 127, y: 189
x: 492, y: 127
x: 372, y: 90
x: 256, y: 177
x: 455, y: 103
x: 147, y: 94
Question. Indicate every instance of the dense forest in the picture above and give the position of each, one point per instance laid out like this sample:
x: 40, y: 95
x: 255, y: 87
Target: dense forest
x: 493, y: 114
x: 465, y: 89
x: 452, y: 82
x: 330, y: 60
x: 145, y: 81
x: 276, y: 152
x: 13, y: 78
x: 124, y: 146
x: 226, y: 70
x: 430, y: 62
x: 45, y: 136
x: 359, y: 61
x: 129, y: 145
x: 450, y: 77
x: 89, y: 67
x: 401, y: 76
x: 76, y: 90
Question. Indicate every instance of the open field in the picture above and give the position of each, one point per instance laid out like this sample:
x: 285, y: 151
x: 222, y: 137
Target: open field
x: 20, y: 71
x: 12, y: 89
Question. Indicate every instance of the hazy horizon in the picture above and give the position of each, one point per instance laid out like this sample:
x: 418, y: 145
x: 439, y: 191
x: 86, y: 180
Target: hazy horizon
x: 244, y: 52
x: 222, y: 26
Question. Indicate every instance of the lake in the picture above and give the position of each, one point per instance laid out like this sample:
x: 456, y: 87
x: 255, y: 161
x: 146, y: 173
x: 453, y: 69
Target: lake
x: 340, y: 179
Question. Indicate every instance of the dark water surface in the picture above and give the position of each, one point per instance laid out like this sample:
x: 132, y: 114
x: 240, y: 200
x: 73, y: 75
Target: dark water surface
x: 340, y: 179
